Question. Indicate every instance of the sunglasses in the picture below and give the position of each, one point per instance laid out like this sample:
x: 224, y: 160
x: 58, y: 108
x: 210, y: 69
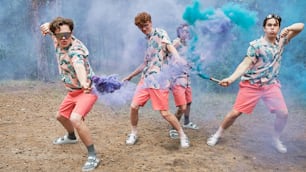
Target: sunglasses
x: 270, y: 16
x: 64, y: 34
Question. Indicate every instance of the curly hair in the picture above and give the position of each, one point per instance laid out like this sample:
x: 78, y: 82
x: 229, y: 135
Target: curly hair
x: 142, y: 18
x: 60, y: 21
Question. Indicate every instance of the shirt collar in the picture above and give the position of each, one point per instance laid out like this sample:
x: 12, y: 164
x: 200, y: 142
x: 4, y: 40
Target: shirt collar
x: 265, y: 42
x: 148, y: 36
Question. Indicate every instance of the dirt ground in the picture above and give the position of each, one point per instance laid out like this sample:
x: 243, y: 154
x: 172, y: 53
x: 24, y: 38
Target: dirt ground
x: 28, y: 126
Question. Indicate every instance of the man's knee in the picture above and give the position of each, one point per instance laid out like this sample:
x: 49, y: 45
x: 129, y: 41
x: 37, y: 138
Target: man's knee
x: 134, y: 106
x: 165, y: 114
x: 76, y: 120
x: 59, y: 117
x: 234, y: 114
x: 181, y: 109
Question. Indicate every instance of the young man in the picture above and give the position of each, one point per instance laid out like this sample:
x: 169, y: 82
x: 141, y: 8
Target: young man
x: 76, y: 73
x: 180, y: 83
x: 158, y: 46
x: 259, y: 71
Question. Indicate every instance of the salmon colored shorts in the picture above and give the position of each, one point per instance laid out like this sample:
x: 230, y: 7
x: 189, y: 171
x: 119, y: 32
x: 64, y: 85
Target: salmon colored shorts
x: 78, y: 102
x: 159, y: 97
x: 249, y: 95
x: 182, y: 96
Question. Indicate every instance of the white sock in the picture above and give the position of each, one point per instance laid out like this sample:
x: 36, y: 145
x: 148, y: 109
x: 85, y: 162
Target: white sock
x: 134, y: 130
x: 219, y: 132
x: 182, y: 134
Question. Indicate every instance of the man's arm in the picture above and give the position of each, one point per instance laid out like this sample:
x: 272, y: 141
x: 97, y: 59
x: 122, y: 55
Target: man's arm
x: 135, y: 72
x: 175, y: 55
x: 82, y: 76
x: 240, y: 70
x: 44, y: 28
x: 173, y: 51
x: 292, y: 30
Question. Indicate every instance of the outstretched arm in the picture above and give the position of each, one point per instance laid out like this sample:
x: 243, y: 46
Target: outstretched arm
x: 135, y: 72
x: 240, y: 70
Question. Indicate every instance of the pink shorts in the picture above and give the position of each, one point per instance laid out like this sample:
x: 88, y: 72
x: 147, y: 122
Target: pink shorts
x: 182, y: 96
x: 78, y: 102
x: 249, y: 95
x: 159, y: 97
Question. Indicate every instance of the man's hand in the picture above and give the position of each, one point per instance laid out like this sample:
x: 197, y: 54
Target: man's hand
x: 226, y: 82
x: 87, y: 88
x: 128, y: 78
x: 284, y: 32
x: 44, y: 28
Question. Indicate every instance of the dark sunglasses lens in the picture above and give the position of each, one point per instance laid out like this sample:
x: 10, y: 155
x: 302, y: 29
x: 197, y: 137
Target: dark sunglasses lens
x: 61, y: 35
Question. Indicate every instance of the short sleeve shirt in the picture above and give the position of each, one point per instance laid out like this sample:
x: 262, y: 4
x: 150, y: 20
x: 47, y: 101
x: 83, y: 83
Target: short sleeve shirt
x: 67, y: 58
x: 266, y: 58
x: 155, y: 55
x: 183, y: 78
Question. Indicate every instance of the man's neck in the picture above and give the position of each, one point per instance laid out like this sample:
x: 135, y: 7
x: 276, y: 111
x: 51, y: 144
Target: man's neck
x: 270, y: 39
x: 183, y: 41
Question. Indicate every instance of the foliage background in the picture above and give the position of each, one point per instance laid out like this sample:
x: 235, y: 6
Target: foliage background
x: 116, y: 45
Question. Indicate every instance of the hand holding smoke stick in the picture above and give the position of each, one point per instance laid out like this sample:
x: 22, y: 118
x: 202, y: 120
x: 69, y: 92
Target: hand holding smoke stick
x: 112, y: 92
x: 224, y: 82
x: 204, y: 76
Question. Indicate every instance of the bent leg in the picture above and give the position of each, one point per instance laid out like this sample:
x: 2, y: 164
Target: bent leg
x: 186, y: 114
x: 65, y: 122
x: 83, y: 131
x: 180, y: 111
x: 134, y: 118
x: 280, y: 123
x: 184, y: 141
x: 228, y: 120
x: 173, y: 122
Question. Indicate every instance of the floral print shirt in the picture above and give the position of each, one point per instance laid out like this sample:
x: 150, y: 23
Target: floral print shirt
x: 155, y: 56
x: 75, y: 53
x: 266, y: 58
x: 183, y: 77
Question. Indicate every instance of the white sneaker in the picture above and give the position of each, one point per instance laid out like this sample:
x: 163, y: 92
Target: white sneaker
x: 279, y: 146
x: 212, y: 140
x: 131, y: 139
x: 185, y: 142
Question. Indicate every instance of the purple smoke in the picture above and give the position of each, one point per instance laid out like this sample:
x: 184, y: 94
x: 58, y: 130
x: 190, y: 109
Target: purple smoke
x: 106, y: 84
x: 112, y: 92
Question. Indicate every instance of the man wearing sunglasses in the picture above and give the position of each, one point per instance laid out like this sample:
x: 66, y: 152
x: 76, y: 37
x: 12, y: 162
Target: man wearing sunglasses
x: 259, y: 79
x: 76, y: 73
